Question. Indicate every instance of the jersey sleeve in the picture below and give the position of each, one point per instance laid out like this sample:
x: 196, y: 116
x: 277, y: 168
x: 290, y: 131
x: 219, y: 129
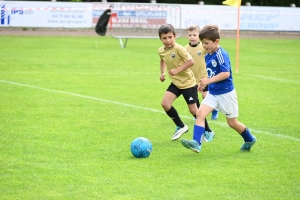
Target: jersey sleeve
x: 160, y: 53
x: 223, y: 61
x: 184, y: 54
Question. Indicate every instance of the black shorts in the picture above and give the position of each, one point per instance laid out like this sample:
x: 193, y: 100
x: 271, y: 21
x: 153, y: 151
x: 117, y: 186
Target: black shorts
x: 190, y: 94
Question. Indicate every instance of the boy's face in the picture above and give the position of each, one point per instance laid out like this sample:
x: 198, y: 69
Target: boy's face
x: 193, y: 37
x: 168, y: 39
x: 209, y: 45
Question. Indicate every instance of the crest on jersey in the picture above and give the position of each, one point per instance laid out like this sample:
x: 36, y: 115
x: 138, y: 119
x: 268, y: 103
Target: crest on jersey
x: 214, y: 63
x: 199, y: 53
x: 173, y: 55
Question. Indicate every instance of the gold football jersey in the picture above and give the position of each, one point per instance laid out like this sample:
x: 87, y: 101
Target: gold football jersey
x: 175, y: 57
x: 199, y: 67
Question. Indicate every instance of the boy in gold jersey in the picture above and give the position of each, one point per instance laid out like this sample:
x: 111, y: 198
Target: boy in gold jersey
x: 197, y: 52
x: 199, y: 68
x: 177, y: 62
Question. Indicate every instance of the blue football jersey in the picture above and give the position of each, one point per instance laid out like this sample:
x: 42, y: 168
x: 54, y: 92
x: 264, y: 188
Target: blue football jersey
x: 216, y: 63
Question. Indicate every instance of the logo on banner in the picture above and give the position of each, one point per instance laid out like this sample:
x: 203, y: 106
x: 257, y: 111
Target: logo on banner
x: 8, y: 12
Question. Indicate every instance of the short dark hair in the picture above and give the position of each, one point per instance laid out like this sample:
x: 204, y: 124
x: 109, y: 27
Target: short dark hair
x: 166, y: 28
x: 210, y: 32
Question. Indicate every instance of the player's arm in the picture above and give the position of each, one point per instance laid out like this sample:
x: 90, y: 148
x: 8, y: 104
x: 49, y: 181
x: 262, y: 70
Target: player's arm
x: 220, y: 77
x: 181, y: 68
x: 224, y: 74
x: 185, y: 65
x: 162, y: 71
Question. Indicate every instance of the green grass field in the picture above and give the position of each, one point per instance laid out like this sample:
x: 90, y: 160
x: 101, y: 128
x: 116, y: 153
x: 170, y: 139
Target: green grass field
x: 69, y: 112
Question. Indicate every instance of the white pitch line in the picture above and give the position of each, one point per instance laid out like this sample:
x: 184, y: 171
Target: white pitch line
x: 82, y: 96
x: 86, y: 73
x: 138, y: 107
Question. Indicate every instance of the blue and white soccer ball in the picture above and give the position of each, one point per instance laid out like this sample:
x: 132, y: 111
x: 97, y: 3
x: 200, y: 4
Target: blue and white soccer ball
x: 141, y: 147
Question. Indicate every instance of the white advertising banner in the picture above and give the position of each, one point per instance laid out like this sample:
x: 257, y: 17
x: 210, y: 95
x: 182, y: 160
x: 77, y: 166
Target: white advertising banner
x: 85, y: 15
x: 45, y: 14
x: 251, y: 17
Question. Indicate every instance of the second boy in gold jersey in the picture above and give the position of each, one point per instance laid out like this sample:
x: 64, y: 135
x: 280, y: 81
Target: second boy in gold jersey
x: 199, y: 68
x: 197, y: 52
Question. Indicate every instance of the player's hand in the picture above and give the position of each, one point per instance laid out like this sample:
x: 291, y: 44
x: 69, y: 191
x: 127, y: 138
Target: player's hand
x: 173, y: 72
x: 204, y: 82
x: 201, y: 88
x: 162, y: 77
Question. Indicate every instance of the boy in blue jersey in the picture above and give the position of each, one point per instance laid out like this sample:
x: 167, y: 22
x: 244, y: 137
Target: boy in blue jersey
x: 221, y: 93
x: 199, y: 69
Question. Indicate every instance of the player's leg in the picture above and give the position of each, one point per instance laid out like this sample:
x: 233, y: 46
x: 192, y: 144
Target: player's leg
x: 170, y: 95
x: 249, y: 139
x: 214, y: 113
x: 209, y: 133
x: 204, y: 94
x: 196, y: 143
x: 208, y: 104
x: 191, y: 98
x: 229, y: 106
x: 198, y: 104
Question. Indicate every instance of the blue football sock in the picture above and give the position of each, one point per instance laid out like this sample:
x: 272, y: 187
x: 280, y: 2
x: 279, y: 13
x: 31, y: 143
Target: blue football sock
x: 247, y: 136
x: 198, y: 132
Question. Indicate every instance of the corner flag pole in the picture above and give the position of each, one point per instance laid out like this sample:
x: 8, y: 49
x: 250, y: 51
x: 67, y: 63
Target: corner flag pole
x: 238, y: 43
x: 236, y: 3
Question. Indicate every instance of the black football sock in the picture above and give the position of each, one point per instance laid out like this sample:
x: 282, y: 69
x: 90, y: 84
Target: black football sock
x: 173, y: 114
x: 206, y: 126
x: 198, y: 103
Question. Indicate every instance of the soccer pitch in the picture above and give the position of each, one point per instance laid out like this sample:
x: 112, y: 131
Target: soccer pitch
x: 69, y: 112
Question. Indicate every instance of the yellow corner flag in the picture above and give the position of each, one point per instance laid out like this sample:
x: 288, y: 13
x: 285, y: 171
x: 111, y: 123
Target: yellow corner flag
x: 235, y: 3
